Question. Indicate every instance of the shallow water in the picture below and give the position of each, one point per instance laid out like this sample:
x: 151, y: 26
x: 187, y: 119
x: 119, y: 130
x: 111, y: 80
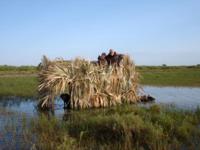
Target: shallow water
x: 12, y: 109
x: 181, y: 97
x: 27, y: 106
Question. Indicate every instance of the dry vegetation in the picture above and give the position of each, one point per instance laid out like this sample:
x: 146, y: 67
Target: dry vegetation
x: 88, y: 84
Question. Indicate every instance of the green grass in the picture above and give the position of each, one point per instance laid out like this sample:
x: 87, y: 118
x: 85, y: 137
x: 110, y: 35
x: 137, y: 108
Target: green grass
x: 13, y: 70
x: 17, y: 68
x: 18, y: 81
x: 22, y: 81
x: 122, y: 127
x: 170, y: 76
x: 25, y: 86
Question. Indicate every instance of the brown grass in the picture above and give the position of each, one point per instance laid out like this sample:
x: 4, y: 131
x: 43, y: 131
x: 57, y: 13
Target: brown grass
x: 89, y: 85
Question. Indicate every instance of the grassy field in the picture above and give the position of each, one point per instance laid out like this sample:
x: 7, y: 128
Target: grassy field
x: 17, y: 70
x: 25, y: 86
x: 18, y: 81
x: 121, y: 127
x: 22, y: 81
x: 170, y: 76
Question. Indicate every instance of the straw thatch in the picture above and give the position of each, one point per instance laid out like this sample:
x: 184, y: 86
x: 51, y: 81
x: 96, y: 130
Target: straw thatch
x: 88, y: 84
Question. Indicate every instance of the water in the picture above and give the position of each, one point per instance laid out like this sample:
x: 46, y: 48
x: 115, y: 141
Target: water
x: 181, y: 97
x: 14, y: 108
x: 28, y: 106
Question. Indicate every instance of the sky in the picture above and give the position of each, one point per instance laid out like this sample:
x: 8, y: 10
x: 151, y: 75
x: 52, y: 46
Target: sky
x: 153, y: 32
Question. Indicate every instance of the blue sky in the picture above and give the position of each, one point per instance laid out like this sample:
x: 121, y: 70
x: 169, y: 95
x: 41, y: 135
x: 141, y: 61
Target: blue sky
x: 153, y: 32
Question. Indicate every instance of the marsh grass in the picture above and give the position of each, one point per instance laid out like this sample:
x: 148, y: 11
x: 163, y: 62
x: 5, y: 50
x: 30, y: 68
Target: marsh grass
x: 18, y: 86
x: 151, y: 128
x: 120, y: 127
x: 170, y: 75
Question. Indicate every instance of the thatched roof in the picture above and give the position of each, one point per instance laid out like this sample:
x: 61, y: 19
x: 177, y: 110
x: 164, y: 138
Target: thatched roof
x: 88, y: 84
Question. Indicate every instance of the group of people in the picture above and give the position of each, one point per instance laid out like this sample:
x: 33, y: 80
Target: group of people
x: 111, y: 59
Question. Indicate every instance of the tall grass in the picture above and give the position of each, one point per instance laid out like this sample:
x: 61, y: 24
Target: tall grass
x: 124, y: 127
x: 88, y: 85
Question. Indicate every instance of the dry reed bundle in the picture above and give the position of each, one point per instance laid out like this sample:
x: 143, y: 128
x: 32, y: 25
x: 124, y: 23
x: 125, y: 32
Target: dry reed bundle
x: 89, y: 85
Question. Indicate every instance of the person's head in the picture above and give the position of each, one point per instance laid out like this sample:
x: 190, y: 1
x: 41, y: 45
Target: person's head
x: 111, y: 52
x: 103, y: 54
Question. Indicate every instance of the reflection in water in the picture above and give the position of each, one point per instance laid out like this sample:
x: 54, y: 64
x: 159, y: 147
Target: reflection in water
x: 17, y: 104
x: 182, y: 97
x: 67, y: 115
x: 185, y: 98
x: 47, y: 113
x: 29, y: 106
x: 12, y: 101
x: 13, y: 111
